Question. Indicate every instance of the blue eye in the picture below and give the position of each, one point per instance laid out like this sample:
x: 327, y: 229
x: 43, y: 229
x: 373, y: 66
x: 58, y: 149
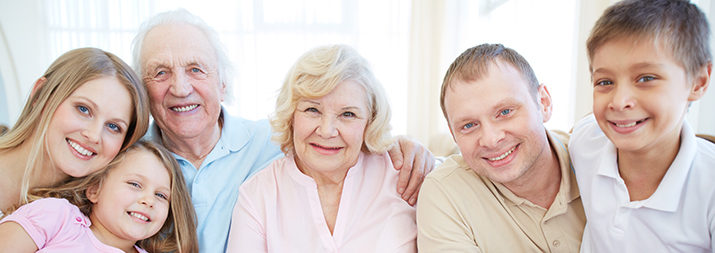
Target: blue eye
x: 114, y: 127
x: 161, y: 195
x: 161, y: 73
x: 83, y: 109
x: 311, y: 109
x: 468, y: 126
x: 195, y: 70
x: 134, y: 184
x: 505, y: 112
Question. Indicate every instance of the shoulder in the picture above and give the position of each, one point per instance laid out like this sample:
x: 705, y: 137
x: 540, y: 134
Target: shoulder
x: 453, y: 166
x: 254, y: 126
x: 267, y: 177
x: 49, y: 207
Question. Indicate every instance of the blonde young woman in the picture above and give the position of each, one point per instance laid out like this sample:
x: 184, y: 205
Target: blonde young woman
x: 334, y: 190
x: 81, y: 113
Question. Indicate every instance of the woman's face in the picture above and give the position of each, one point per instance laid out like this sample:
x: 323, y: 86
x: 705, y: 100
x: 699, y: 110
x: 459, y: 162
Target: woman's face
x: 328, y: 131
x: 88, y: 128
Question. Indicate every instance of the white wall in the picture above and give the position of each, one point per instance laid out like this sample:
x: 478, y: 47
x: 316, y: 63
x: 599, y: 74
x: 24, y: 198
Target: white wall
x: 22, y: 51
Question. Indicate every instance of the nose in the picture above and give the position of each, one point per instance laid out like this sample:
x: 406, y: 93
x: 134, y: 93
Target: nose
x: 327, y: 128
x: 491, y: 135
x: 622, y: 98
x: 181, y: 85
x: 147, y: 199
x: 93, y: 131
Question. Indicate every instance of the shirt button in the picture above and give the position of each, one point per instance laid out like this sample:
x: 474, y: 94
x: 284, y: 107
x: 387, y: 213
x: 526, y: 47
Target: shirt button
x: 556, y: 243
x: 78, y: 219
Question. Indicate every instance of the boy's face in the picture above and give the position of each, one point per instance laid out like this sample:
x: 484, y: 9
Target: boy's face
x: 641, y: 94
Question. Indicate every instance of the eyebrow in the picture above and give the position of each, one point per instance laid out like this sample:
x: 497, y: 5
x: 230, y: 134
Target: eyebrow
x: 349, y: 107
x: 644, y: 65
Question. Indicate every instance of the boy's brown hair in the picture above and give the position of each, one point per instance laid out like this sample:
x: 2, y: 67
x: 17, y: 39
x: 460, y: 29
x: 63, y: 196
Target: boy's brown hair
x: 679, y: 25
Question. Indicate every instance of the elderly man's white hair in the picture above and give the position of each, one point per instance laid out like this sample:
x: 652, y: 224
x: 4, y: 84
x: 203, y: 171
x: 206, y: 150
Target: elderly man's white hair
x: 182, y: 16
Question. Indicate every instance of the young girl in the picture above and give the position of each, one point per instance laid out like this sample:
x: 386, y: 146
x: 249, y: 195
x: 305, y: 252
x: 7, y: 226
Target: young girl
x: 81, y: 113
x: 140, y: 202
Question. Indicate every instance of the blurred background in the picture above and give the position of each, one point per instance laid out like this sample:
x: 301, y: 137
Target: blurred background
x: 409, y: 42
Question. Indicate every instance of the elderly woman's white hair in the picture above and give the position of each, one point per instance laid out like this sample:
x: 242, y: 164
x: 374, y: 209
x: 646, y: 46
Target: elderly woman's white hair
x: 182, y: 16
x: 315, y: 74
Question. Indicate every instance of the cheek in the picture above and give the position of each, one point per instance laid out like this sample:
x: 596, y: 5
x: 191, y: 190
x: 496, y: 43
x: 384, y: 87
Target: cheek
x: 355, y: 133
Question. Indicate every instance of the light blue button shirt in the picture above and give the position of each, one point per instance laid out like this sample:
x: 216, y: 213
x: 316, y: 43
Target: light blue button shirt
x: 244, y: 149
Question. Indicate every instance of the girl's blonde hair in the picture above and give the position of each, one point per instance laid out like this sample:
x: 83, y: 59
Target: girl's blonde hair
x: 179, y: 230
x: 64, y: 76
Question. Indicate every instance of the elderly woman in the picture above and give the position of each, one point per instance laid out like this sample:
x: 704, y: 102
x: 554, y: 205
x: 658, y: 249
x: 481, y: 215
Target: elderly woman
x: 335, y: 189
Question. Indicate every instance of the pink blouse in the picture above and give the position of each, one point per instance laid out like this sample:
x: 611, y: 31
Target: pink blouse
x: 278, y: 210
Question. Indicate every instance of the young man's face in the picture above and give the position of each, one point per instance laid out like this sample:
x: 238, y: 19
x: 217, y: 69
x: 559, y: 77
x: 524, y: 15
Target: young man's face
x: 641, y: 94
x: 497, y: 124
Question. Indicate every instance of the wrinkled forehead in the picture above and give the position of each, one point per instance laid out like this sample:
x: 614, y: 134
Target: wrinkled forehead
x: 176, y: 45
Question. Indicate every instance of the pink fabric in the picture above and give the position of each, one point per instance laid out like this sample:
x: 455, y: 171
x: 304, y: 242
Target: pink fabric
x: 58, y: 226
x: 278, y: 210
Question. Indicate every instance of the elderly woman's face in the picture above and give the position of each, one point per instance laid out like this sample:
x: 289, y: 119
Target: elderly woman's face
x: 328, y: 132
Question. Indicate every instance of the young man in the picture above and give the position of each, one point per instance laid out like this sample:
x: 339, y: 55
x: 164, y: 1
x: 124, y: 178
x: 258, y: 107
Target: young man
x: 512, y: 189
x: 646, y: 179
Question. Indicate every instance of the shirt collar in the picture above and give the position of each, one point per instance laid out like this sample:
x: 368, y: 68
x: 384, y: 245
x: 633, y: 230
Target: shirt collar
x: 667, y: 196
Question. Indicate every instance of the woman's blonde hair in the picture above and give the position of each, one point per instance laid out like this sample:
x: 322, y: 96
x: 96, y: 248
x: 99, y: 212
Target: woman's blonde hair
x: 179, y: 230
x: 64, y: 76
x: 316, y: 74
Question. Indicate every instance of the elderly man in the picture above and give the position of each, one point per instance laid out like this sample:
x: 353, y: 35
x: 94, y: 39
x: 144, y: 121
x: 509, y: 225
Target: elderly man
x: 186, y: 72
x: 512, y: 189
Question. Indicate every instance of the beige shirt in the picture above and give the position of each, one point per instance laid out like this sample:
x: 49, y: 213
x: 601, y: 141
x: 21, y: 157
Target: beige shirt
x: 461, y: 211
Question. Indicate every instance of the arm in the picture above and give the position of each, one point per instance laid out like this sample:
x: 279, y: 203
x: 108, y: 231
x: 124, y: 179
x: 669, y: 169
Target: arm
x: 414, y: 161
x: 247, y: 234
x: 14, y: 238
x: 440, y: 227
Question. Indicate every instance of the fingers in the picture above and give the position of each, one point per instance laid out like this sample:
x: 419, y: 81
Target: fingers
x: 417, y: 173
x: 413, y: 198
x: 395, y: 153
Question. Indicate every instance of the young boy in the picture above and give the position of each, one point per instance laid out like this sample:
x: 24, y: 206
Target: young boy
x: 646, y: 181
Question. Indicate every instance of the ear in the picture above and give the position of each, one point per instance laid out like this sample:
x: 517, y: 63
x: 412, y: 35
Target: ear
x: 38, y: 84
x: 223, y: 91
x: 92, y: 193
x: 545, y: 102
x: 700, y: 83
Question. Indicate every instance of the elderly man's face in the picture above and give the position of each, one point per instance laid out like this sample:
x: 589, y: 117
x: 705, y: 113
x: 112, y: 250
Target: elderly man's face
x: 180, y: 71
x: 497, y: 125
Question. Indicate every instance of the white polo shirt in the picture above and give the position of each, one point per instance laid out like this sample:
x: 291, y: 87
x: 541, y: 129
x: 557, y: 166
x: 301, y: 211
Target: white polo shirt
x: 678, y: 217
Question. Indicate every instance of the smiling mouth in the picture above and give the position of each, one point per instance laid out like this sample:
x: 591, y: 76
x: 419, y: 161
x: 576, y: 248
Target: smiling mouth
x: 316, y: 145
x: 138, y: 216
x: 629, y: 124
x: 79, y: 148
x: 184, y: 108
x: 502, y: 156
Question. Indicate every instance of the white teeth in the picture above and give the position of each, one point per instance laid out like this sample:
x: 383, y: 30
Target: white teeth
x: 502, y: 156
x: 184, y: 108
x: 139, y: 216
x: 79, y: 148
x: 627, y: 125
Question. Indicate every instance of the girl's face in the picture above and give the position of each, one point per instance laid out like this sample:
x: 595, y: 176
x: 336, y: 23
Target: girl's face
x: 88, y: 128
x: 133, y: 202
